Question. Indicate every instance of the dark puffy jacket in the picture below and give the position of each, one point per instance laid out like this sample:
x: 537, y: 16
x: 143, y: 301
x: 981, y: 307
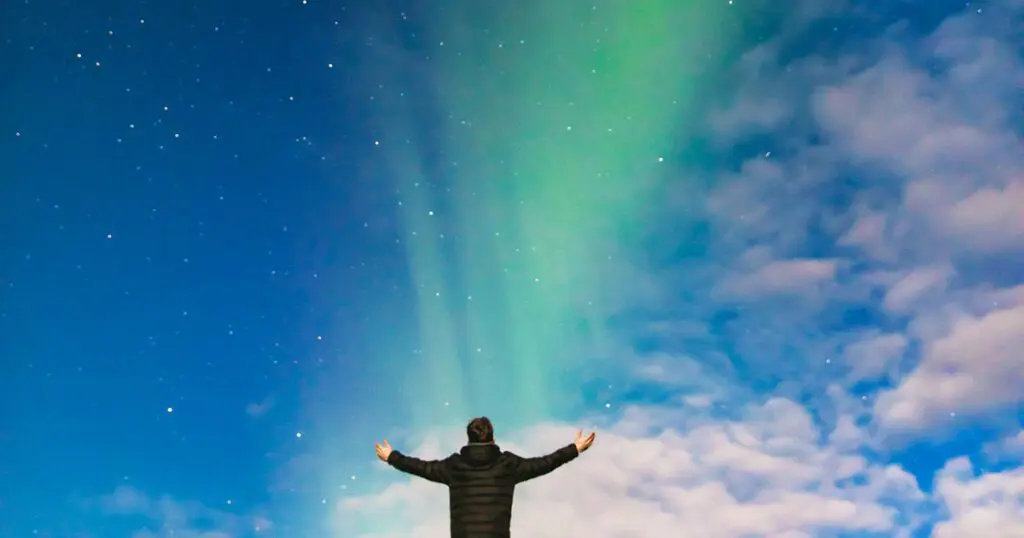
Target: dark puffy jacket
x: 481, y: 480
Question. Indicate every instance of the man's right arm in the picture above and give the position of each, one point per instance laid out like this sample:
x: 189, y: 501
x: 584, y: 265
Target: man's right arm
x: 530, y: 468
x: 435, y: 471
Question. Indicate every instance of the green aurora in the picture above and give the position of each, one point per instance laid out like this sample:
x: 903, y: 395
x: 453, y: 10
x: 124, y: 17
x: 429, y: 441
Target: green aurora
x: 558, y: 120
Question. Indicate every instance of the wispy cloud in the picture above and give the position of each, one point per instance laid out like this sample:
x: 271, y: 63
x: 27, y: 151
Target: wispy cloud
x: 167, y: 517
x: 258, y: 409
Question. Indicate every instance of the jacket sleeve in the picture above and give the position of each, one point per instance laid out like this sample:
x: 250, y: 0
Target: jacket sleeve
x: 530, y: 468
x: 434, y: 470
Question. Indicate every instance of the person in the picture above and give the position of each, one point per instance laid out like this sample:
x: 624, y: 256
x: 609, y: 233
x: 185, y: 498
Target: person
x: 481, y: 478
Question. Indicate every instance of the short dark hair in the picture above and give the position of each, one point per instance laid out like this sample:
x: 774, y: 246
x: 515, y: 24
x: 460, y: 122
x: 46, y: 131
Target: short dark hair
x: 480, y: 430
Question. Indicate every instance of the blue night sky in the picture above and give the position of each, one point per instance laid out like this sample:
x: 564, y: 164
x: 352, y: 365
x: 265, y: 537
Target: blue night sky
x: 772, y: 256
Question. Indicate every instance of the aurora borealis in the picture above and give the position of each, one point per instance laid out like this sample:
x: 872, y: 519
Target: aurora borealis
x: 770, y: 253
x: 521, y: 203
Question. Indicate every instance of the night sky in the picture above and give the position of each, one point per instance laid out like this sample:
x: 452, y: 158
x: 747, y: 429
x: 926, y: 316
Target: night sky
x: 239, y: 245
x: 183, y: 198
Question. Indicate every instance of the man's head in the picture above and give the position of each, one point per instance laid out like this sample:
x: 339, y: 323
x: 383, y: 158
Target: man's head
x: 480, y: 430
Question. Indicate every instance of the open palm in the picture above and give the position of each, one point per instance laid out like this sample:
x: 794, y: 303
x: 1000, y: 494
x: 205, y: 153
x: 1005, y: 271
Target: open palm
x: 383, y: 450
x: 583, y: 443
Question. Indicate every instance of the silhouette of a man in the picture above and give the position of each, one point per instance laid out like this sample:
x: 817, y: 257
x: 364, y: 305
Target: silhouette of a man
x: 481, y: 478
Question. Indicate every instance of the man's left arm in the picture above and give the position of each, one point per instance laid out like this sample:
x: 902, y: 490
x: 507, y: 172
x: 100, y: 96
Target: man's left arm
x: 434, y: 470
x: 530, y: 468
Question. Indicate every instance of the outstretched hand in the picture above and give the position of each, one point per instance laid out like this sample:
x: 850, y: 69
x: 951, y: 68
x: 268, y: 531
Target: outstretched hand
x: 583, y: 443
x: 383, y: 450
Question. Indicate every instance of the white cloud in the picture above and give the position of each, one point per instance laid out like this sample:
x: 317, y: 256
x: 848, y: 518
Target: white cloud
x: 868, y: 233
x: 1009, y: 448
x: 874, y: 355
x: 990, y: 504
x: 928, y: 130
x: 778, y: 277
x: 257, y: 410
x: 763, y: 475
x: 948, y: 137
x: 915, y: 285
x: 977, y: 367
x: 990, y: 219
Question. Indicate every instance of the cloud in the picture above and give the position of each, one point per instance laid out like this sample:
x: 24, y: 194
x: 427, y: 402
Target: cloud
x: 257, y: 410
x: 990, y: 504
x: 891, y: 196
x: 166, y: 517
x: 915, y: 285
x: 764, y: 474
x: 874, y: 355
x: 947, y: 138
x: 778, y: 277
x: 1009, y: 448
x: 977, y: 367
